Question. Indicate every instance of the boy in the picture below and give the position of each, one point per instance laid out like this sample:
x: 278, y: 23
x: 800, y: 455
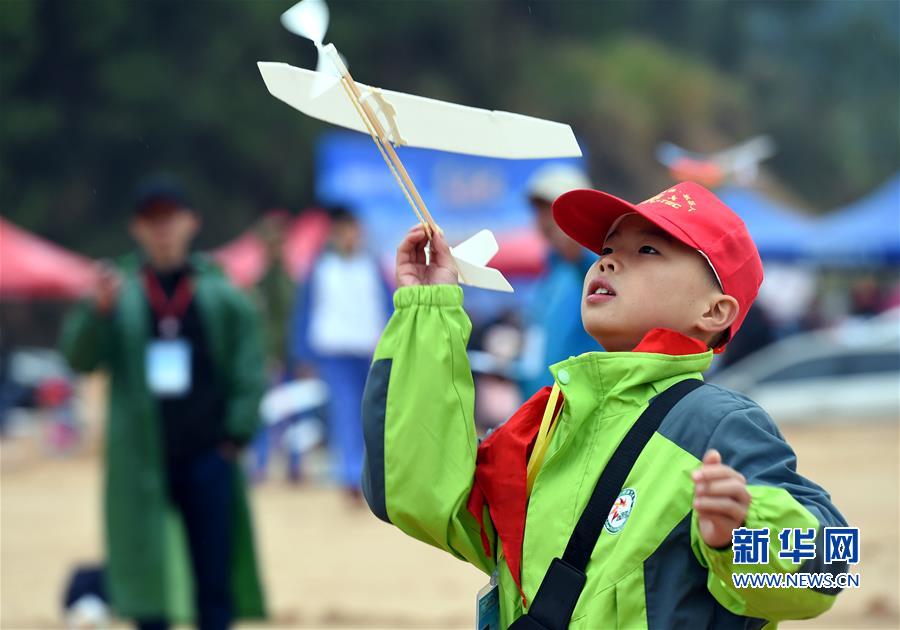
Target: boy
x: 675, y: 278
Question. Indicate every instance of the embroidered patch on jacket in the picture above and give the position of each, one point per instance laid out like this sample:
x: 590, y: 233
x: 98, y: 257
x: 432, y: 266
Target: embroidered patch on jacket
x: 620, y: 511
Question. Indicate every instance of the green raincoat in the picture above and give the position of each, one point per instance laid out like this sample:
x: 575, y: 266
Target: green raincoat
x: 650, y: 567
x: 147, y: 561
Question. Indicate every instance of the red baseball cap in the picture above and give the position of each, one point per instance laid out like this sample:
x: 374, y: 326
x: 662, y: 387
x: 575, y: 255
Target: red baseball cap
x: 689, y: 213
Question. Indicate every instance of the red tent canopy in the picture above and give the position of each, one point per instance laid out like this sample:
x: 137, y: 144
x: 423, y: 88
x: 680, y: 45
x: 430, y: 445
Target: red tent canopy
x: 34, y: 268
x: 31, y: 267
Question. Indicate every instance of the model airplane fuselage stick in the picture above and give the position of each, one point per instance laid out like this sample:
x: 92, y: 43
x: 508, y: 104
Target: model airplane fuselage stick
x: 380, y: 145
x: 381, y: 139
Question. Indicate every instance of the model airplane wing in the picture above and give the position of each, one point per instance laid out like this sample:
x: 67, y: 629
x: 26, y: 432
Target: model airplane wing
x: 417, y: 121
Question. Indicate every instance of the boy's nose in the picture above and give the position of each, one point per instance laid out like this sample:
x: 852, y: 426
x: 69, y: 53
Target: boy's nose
x: 607, y: 264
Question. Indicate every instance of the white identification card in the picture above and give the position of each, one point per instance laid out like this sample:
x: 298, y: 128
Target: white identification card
x: 168, y: 366
x: 487, y: 614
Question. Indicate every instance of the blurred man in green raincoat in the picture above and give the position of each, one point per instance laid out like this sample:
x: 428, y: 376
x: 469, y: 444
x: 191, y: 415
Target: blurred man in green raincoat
x: 184, y: 352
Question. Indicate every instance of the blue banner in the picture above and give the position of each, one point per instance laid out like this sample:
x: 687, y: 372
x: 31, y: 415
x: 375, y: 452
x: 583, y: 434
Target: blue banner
x: 463, y: 193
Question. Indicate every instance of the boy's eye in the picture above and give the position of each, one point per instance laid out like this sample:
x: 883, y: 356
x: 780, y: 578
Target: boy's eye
x: 647, y: 249
x: 605, y: 251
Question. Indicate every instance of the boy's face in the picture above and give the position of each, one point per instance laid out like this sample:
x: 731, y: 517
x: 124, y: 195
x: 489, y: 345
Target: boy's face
x: 654, y: 281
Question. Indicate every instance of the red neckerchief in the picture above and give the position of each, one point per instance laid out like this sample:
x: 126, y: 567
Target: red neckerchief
x: 501, y: 465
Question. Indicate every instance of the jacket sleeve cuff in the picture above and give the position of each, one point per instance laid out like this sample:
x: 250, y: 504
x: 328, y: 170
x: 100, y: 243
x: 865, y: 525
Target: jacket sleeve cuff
x: 440, y: 295
x: 771, y: 508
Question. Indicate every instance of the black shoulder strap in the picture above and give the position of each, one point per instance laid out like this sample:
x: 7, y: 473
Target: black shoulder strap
x: 565, y: 578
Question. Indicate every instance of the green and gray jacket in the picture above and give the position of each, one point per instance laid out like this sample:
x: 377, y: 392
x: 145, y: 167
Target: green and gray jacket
x: 656, y: 572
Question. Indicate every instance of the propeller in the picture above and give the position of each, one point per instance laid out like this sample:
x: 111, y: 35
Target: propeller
x: 309, y: 19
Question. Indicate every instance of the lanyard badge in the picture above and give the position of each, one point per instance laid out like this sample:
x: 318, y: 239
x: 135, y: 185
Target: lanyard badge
x: 168, y: 367
x: 487, y: 611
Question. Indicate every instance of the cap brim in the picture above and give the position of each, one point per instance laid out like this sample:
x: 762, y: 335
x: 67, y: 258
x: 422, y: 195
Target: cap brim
x: 588, y: 215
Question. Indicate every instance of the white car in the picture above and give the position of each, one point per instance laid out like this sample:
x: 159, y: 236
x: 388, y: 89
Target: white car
x: 850, y: 372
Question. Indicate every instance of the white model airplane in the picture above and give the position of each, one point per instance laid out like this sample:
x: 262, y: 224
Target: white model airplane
x: 396, y: 119
x: 739, y: 163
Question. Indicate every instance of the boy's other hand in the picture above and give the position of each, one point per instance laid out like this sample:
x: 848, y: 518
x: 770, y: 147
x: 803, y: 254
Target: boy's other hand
x: 412, y: 270
x: 721, y: 499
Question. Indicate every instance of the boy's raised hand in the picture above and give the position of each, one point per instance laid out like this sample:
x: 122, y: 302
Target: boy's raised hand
x: 721, y: 499
x: 412, y: 270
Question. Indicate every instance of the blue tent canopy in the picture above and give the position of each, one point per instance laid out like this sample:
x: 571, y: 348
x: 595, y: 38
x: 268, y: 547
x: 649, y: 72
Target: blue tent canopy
x: 865, y: 232
x: 779, y: 232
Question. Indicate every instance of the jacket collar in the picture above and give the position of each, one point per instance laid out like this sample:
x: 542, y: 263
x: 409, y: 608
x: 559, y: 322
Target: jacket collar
x: 612, y: 382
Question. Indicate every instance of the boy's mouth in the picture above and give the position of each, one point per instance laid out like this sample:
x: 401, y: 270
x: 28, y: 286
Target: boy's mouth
x: 599, y: 290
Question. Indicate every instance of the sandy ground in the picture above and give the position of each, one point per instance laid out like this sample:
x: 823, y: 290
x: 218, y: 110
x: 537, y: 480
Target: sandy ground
x: 329, y: 564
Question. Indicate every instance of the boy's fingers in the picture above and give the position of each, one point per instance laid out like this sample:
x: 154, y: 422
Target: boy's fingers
x: 733, y: 488
x: 718, y: 505
x: 421, y: 258
x: 413, y: 241
x: 441, y: 250
x: 707, y: 528
x: 416, y: 231
x: 715, y: 471
x: 421, y: 240
x: 405, y: 254
x: 712, y: 456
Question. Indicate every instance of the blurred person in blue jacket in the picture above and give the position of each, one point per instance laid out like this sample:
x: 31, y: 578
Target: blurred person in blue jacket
x: 553, y: 329
x: 338, y: 317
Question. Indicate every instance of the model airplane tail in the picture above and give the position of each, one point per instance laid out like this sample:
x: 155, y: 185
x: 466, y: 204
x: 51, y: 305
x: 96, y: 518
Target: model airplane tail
x: 472, y: 256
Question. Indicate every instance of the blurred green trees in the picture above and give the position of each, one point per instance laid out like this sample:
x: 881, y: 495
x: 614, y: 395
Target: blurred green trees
x: 96, y: 93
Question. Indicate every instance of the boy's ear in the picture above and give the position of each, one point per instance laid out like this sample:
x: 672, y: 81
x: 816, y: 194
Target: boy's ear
x: 720, y: 314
